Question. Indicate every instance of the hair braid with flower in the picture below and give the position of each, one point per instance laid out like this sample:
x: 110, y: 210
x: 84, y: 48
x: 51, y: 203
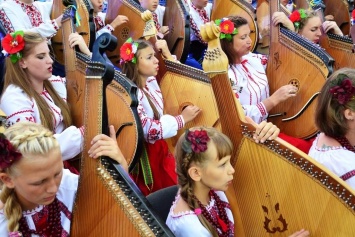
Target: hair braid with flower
x: 13, y: 45
x: 300, y: 17
x: 227, y: 28
x: 26, y: 138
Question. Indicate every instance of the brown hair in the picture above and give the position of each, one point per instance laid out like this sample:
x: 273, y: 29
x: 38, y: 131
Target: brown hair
x: 17, y: 76
x: 309, y: 14
x: 183, y: 161
x: 329, y: 116
x: 227, y: 46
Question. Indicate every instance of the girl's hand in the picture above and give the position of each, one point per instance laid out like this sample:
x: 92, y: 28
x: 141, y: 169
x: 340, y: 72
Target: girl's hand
x: 77, y: 40
x: 190, y: 112
x: 119, y: 20
x: 281, y: 18
x: 58, y: 20
x: 162, y: 46
x: 102, y: 145
x: 331, y: 26
x: 264, y: 130
x: 301, y: 233
x: 282, y: 94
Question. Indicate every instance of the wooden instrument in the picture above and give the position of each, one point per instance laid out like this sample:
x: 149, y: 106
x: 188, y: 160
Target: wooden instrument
x: 85, y: 11
x: 177, y: 18
x: 295, y: 60
x: 224, y: 8
x: 337, y: 8
x: 121, y: 98
x: 277, y: 189
x: 108, y: 203
x: 133, y: 28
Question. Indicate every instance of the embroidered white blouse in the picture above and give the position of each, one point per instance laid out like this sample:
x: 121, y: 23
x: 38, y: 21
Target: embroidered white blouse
x: 250, y: 85
x: 197, y: 20
x: 100, y: 26
x: 66, y: 195
x: 19, y: 107
x: 35, y: 17
x: 337, y: 159
x: 160, y: 14
x: 155, y: 129
x: 187, y: 224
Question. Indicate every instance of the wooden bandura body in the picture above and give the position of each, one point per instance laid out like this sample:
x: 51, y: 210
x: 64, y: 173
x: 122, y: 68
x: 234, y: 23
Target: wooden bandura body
x: 108, y: 203
x: 295, y: 60
x: 223, y: 8
x: 177, y: 18
x: 277, y: 189
x: 121, y: 99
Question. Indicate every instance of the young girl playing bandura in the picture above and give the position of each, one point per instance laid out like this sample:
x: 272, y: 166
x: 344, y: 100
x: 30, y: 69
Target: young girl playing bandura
x: 204, y: 173
x: 157, y: 166
x: 37, y: 194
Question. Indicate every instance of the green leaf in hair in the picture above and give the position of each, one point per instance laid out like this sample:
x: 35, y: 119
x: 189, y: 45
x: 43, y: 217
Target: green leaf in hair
x: 218, y: 22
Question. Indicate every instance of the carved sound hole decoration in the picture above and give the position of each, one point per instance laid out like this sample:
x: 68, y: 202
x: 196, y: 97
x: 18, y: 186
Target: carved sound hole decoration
x: 274, y: 223
x: 124, y: 33
x: 296, y: 83
x: 277, y: 60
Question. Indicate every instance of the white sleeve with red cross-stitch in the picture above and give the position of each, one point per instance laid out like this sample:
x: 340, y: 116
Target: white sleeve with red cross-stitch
x: 250, y: 85
x: 100, y: 26
x: 35, y: 17
x: 155, y: 129
x: 18, y: 107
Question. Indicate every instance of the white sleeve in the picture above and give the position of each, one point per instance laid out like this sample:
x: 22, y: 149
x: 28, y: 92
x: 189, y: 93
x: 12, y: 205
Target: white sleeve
x: 257, y: 112
x: 70, y: 141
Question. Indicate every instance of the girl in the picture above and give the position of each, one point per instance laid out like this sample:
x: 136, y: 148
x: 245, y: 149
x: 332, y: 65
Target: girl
x: 335, y: 116
x: 37, y: 194
x: 204, y: 173
x: 246, y: 71
x: 32, y: 93
x: 158, y: 15
x: 156, y: 169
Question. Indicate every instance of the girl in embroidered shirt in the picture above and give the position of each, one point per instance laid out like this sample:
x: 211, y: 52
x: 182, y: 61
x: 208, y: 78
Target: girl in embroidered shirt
x: 37, y: 194
x: 158, y: 15
x: 157, y: 166
x: 204, y: 173
x: 335, y: 119
x: 32, y: 93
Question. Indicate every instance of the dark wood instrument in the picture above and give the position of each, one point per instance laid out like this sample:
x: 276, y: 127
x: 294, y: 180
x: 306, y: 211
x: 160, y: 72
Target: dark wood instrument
x: 177, y: 18
x: 85, y: 11
x: 121, y: 98
x: 276, y: 189
x: 133, y: 28
x: 295, y: 60
x: 108, y: 203
x: 224, y: 8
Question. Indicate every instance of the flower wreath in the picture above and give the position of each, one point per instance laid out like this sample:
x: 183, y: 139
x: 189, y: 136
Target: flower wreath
x: 8, y: 154
x: 227, y: 28
x: 128, y: 51
x: 13, y: 44
x: 195, y: 141
x: 297, y: 16
x: 342, y: 89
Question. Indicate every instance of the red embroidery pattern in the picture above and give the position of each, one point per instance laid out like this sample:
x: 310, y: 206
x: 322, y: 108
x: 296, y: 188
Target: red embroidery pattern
x: 32, y: 12
x: 99, y: 24
x: 156, y: 22
x: 348, y: 175
x: 5, y: 21
x: 203, y: 15
x: 180, y: 121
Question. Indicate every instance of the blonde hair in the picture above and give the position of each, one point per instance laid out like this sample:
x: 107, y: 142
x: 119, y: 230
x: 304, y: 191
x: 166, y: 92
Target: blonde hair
x: 26, y: 138
x: 17, y: 76
x: 184, y: 160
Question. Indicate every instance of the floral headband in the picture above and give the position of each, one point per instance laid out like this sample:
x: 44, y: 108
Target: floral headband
x: 195, y: 141
x: 13, y: 44
x: 128, y: 51
x: 342, y: 89
x: 8, y: 154
x: 227, y: 28
x: 297, y: 16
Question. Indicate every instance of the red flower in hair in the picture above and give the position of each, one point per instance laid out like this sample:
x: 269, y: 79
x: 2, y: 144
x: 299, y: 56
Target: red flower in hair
x: 126, y: 52
x: 8, y: 155
x: 195, y: 141
x: 295, y: 16
x: 344, y: 92
x: 13, y: 44
x: 227, y: 27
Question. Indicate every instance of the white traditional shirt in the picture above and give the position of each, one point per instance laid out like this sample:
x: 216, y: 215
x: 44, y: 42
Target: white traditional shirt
x: 66, y: 195
x: 337, y: 159
x: 187, y: 224
x: 155, y: 129
x: 35, y: 17
x: 17, y: 106
x: 250, y: 85
x: 100, y: 26
x: 196, y: 20
x: 160, y: 14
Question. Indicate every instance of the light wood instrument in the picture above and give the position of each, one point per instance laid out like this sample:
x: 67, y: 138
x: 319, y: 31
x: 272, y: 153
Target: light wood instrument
x: 224, y: 8
x: 295, y: 60
x: 277, y: 189
x: 108, y: 203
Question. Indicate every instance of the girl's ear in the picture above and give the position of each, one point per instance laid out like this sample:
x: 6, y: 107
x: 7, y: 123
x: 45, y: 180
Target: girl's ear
x: 7, y: 180
x: 349, y: 114
x: 195, y: 173
x: 22, y: 63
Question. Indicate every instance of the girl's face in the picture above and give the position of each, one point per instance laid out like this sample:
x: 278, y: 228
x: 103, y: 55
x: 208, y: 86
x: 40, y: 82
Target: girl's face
x: 150, y: 5
x: 216, y: 174
x: 242, y: 41
x: 312, y: 29
x: 38, y: 64
x: 98, y: 5
x: 37, y: 179
x: 147, y: 62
